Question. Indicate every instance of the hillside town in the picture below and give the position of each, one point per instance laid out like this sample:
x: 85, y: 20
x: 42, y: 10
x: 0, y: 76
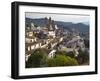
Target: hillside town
x: 51, y: 37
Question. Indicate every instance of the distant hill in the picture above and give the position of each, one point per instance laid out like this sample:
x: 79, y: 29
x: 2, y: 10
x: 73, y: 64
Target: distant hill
x: 81, y: 27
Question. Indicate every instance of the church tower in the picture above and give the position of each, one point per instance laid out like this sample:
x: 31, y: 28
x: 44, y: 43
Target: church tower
x: 50, y: 24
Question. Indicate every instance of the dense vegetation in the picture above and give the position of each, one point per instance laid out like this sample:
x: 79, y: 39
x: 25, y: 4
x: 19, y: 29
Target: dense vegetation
x: 40, y: 59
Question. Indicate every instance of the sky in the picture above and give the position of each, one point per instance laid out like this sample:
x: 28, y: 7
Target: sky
x: 75, y: 18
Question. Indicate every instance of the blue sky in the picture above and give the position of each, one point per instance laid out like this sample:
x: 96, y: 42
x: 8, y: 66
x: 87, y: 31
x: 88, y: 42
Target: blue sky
x: 75, y: 18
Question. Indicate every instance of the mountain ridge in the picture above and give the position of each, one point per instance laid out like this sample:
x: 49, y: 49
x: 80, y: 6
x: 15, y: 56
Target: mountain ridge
x: 81, y: 27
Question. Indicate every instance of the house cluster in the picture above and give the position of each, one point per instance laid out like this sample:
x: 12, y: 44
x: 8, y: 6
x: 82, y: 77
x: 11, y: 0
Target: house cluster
x: 41, y: 37
x: 73, y: 45
x: 50, y: 37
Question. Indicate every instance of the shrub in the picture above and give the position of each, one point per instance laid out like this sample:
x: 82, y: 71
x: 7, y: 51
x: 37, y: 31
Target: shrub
x: 61, y: 60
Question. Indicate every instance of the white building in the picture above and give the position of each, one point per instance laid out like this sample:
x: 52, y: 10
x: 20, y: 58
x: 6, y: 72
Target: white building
x: 30, y: 40
x: 56, y: 27
x: 51, y: 54
x: 52, y: 33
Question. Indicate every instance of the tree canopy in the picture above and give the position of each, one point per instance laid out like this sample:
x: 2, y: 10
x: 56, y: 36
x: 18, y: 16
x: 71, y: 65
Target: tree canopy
x: 37, y: 59
x: 61, y: 60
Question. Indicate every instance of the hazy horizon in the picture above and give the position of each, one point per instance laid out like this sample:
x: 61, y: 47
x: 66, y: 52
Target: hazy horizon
x: 60, y: 17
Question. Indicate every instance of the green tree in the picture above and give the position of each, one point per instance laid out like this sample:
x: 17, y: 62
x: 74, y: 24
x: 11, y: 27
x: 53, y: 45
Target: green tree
x: 83, y: 57
x: 61, y: 60
x: 71, y: 54
x: 50, y: 62
x: 37, y: 59
x: 71, y: 61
